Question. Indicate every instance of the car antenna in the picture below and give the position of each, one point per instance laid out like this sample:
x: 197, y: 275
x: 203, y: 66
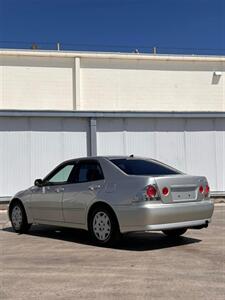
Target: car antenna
x: 132, y: 155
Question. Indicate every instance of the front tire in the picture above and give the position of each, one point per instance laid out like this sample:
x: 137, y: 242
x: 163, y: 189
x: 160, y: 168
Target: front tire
x: 175, y: 233
x: 103, y: 227
x: 18, y: 218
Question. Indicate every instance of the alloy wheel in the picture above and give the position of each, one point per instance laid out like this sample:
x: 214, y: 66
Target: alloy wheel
x: 17, y: 217
x: 101, y: 226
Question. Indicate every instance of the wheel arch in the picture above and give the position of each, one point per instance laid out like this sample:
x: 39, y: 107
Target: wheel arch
x: 101, y: 204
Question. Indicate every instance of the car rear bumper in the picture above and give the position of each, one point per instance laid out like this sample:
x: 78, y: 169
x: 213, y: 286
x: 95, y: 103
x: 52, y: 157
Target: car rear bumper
x: 159, y: 216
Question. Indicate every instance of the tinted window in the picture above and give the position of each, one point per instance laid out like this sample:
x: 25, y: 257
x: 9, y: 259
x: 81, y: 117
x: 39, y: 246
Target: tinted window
x: 62, y: 175
x: 88, y: 171
x: 143, y: 167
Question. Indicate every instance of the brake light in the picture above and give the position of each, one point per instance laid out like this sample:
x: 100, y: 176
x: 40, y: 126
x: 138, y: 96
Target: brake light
x: 151, y: 191
x: 201, y: 189
x: 165, y: 191
x: 207, y: 189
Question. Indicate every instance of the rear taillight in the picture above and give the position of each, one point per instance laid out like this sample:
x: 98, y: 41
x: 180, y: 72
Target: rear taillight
x: 151, y: 191
x: 207, y: 189
x: 165, y: 191
x: 201, y: 189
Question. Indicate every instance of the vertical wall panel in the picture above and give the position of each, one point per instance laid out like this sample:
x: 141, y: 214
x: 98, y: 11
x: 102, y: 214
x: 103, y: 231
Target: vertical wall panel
x: 194, y: 146
x: 110, y: 137
x: 31, y: 147
x: 220, y: 153
x: 200, y: 149
x: 46, y: 145
x: 170, y: 144
x: 140, y: 137
x: 15, y: 154
x: 55, y: 140
x: 75, y: 138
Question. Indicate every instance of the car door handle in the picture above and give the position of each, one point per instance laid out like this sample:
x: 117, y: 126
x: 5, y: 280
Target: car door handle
x: 94, y: 187
x: 58, y: 190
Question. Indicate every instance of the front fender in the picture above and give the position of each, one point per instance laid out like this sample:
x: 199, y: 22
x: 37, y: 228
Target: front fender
x: 25, y: 198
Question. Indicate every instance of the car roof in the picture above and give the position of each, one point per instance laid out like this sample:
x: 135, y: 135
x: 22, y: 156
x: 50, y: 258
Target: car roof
x: 125, y: 157
x: 109, y: 157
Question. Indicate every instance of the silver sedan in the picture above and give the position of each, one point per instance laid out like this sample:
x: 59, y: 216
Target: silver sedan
x: 109, y: 196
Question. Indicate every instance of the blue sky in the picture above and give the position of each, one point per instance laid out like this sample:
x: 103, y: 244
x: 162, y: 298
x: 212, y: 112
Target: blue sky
x: 173, y: 26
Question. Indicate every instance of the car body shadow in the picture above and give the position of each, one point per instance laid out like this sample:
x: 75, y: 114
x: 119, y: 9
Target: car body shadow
x: 141, y: 241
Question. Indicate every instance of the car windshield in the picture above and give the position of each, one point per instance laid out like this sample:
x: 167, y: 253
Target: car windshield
x: 143, y: 167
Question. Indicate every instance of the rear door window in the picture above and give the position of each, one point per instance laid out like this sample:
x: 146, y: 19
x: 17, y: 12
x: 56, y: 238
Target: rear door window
x: 88, y: 171
x: 143, y: 167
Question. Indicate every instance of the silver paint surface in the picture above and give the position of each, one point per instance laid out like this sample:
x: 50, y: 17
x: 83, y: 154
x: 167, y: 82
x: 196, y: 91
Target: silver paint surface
x: 68, y: 205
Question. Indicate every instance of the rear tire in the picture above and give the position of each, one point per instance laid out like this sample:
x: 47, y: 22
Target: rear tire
x: 103, y: 227
x: 175, y: 233
x: 18, y: 218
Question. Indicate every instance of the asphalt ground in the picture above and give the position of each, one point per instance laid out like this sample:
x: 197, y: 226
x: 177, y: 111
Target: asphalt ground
x: 57, y: 263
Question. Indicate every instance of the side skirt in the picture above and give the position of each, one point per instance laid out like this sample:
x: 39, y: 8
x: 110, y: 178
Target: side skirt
x: 61, y: 224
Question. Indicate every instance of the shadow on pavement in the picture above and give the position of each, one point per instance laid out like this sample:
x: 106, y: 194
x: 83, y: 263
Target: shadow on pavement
x: 144, y: 241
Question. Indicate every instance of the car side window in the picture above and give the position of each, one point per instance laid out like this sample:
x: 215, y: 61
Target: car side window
x: 88, y: 171
x: 62, y: 175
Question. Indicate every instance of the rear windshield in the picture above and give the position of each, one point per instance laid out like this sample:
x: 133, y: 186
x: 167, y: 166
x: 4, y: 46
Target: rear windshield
x: 143, y: 167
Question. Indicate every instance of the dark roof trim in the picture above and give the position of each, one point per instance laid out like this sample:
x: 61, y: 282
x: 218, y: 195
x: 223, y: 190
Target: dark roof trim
x: 109, y: 114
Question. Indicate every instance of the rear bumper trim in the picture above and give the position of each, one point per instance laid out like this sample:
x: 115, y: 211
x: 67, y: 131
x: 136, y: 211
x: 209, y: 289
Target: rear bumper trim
x: 158, y: 227
x: 178, y: 225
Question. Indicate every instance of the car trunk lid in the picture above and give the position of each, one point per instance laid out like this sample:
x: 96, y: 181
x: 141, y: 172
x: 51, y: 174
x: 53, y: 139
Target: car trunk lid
x: 181, y: 188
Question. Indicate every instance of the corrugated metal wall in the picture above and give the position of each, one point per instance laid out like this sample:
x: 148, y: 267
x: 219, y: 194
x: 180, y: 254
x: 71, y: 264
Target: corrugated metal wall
x: 195, y: 146
x: 31, y: 147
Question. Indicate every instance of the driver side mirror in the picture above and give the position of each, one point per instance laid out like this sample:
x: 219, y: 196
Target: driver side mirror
x: 38, y: 182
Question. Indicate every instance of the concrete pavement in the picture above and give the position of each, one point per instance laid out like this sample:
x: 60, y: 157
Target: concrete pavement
x: 56, y: 263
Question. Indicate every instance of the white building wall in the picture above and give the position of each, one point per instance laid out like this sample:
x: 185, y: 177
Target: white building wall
x: 39, y: 80
x: 67, y: 81
x: 36, y: 83
x: 32, y: 147
x: 194, y: 146
x: 112, y: 84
